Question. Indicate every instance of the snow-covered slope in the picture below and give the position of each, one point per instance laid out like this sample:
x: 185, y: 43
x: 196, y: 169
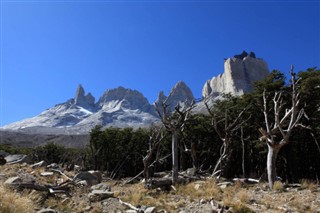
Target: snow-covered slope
x: 118, y: 107
x: 61, y: 115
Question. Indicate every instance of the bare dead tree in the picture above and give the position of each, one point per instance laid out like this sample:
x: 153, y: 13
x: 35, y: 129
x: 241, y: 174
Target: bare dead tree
x: 156, y: 137
x: 243, y: 153
x: 174, y: 123
x: 277, y: 132
x: 193, y: 152
x: 226, y: 135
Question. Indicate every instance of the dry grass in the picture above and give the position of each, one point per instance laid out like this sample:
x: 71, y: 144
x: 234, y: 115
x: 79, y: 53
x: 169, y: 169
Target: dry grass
x: 11, y: 202
x: 189, y: 197
x: 243, y: 196
x: 278, y: 186
x: 200, y: 190
x: 241, y: 208
x: 137, y: 195
x: 308, y: 184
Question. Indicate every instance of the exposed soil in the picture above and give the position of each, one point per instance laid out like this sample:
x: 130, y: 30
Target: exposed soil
x: 197, y: 196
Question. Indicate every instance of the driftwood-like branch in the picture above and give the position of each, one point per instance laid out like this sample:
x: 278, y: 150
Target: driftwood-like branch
x: 44, y: 188
x: 61, y: 173
x: 285, y: 124
x: 129, y: 205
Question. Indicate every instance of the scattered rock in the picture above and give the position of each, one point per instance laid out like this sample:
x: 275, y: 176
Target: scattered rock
x: 98, y: 174
x: 150, y: 210
x: 54, y: 166
x: 112, y: 205
x: 82, y: 183
x: 197, y: 186
x: 89, y: 177
x: 101, y: 186
x: 202, y: 201
x: 98, y: 195
x: 27, y: 178
x: 191, y: 171
x: 88, y: 208
x: 224, y: 185
x: 18, y: 158
x: 13, y: 180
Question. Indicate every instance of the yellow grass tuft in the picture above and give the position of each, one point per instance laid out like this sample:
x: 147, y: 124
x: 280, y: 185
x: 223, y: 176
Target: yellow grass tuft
x: 200, y: 190
x: 240, y: 208
x: 243, y: 196
x: 307, y: 184
x: 278, y: 186
x: 11, y: 202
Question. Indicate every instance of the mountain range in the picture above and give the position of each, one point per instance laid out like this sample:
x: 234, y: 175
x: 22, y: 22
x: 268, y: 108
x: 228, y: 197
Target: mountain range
x: 123, y: 107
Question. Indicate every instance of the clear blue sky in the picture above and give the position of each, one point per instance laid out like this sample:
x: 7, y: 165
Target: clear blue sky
x: 49, y: 47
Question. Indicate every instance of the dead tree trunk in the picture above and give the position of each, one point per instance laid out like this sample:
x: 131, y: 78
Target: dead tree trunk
x: 226, y: 134
x: 282, y: 125
x: 271, y: 164
x: 195, y: 162
x: 156, y: 136
x: 174, y: 123
x: 175, y: 139
x: 243, y: 154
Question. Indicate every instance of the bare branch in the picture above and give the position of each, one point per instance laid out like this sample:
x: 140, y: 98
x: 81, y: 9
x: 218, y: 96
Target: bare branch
x: 265, y: 107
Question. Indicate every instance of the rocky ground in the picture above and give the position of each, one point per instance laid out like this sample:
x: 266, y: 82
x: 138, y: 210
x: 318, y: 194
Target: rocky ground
x: 51, y: 188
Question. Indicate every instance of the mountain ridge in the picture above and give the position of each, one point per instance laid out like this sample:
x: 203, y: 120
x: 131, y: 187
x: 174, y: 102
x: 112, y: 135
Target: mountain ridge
x: 122, y: 107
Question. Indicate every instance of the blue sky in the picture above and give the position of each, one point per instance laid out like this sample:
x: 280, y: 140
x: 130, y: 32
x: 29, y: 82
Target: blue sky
x: 49, y: 47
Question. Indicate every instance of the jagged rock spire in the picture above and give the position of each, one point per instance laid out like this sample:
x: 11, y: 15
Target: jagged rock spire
x: 83, y: 100
x: 179, y: 94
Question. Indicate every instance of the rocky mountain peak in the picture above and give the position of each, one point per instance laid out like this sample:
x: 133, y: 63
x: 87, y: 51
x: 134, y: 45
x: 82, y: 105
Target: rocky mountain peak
x: 128, y: 98
x: 161, y: 97
x: 85, y: 101
x: 245, y: 54
x: 179, y: 94
x: 240, y: 72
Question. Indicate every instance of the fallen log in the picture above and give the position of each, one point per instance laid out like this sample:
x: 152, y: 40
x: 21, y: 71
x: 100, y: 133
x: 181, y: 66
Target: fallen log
x: 246, y: 180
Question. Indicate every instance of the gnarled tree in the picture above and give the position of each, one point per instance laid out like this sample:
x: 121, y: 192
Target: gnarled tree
x: 278, y: 130
x: 156, y: 136
x: 174, y: 124
x: 226, y: 127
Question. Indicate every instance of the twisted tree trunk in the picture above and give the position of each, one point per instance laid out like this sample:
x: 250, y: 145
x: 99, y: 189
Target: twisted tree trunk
x: 285, y: 120
x: 175, y: 139
x: 271, y: 164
